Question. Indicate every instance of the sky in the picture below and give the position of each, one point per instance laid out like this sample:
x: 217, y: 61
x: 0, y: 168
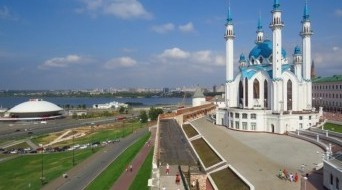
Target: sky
x: 85, y: 44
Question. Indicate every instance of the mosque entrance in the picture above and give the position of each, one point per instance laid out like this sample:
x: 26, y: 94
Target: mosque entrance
x: 272, y: 126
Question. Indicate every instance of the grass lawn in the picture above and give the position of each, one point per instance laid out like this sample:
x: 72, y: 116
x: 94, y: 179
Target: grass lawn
x: 24, y: 172
x: 108, y: 177
x: 227, y: 179
x: 117, y: 131
x: 189, y: 130
x: 140, y: 181
x: 333, y: 127
x: 206, y: 154
x: 20, y: 145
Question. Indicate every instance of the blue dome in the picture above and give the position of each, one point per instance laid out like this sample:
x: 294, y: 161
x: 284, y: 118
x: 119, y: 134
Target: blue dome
x: 297, y: 50
x: 265, y: 50
x: 242, y: 58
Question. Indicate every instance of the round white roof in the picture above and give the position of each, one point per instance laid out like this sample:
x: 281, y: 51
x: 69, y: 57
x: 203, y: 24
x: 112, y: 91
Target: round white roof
x: 35, y: 106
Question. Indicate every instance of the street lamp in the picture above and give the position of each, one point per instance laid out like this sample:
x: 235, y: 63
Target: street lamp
x: 42, y: 177
x: 73, y: 148
x: 92, y: 140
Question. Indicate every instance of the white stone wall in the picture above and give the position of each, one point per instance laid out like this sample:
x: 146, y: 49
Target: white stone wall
x: 329, y: 169
x: 265, y: 120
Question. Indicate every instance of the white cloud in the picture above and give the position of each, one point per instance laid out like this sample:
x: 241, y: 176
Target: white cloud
x: 121, y: 62
x: 164, y: 28
x: 189, y: 27
x: 174, y: 53
x: 125, y: 9
x: 6, y: 14
x: 328, y: 62
x: 203, y: 58
x: 63, y: 62
x: 335, y: 48
x: 338, y: 12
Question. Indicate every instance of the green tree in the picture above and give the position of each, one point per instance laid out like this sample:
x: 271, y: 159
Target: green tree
x: 154, y: 113
x: 143, y: 116
x: 122, y: 109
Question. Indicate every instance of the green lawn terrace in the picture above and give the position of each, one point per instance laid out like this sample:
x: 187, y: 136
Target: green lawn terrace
x: 189, y: 131
x: 208, y: 157
x: 228, y: 179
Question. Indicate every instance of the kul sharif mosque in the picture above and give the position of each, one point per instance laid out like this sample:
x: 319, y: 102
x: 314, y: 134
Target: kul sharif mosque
x: 271, y: 93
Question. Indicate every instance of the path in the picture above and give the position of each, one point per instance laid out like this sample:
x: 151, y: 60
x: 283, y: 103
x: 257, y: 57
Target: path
x: 259, y: 156
x: 127, y: 178
x: 82, y: 174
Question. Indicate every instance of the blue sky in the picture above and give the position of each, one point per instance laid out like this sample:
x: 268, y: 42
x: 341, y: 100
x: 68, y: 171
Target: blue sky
x: 82, y: 44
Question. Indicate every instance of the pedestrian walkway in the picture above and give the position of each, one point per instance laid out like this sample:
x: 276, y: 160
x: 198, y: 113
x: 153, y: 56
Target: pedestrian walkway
x: 259, y: 156
x: 128, y: 176
x: 168, y: 180
x: 84, y: 173
x: 31, y: 144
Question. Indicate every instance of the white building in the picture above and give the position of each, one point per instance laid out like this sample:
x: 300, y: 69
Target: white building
x: 110, y: 105
x: 198, y: 98
x: 332, y: 172
x: 269, y: 94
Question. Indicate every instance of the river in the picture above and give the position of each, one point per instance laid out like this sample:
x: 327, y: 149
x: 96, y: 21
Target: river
x: 9, y: 102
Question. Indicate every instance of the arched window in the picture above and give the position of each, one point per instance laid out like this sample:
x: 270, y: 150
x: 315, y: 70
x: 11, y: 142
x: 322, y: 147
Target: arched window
x: 265, y: 94
x: 246, y: 92
x: 289, y: 95
x: 261, y: 59
x: 240, y: 93
x: 256, y: 89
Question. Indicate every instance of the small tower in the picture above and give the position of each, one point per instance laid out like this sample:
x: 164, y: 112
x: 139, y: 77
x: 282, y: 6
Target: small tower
x: 313, y: 71
x: 276, y: 26
x: 242, y: 61
x: 229, y: 37
x: 306, y: 36
x: 298, y: 61
x: 260, y: 32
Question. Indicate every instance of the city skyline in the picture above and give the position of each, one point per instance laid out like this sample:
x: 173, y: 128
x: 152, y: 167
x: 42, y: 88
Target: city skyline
x: 84, y: 44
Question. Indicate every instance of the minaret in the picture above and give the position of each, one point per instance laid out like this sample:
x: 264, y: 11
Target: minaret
x: 298, y: 61
x: 242, y: 61
x: 306, y: 35
x: 276, y: 27
x: 229, y: 36
x: 260, y: 32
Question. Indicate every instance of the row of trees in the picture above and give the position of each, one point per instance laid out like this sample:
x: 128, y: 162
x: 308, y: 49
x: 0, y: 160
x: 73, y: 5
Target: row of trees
x: 152, y: 114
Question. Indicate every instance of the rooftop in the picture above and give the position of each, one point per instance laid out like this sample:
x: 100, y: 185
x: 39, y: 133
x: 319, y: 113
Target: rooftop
x: 335, y: 78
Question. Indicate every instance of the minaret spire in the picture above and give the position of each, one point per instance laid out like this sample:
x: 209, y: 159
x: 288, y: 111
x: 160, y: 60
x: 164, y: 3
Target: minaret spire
x: 229, y: 17
x: 276, y: 5
x: 306, y: 15
x: 259, y: 22
x: 260, y: 31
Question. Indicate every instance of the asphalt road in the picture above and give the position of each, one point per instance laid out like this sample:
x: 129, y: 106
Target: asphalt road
x: 15, y: 130
x: 84, y: 173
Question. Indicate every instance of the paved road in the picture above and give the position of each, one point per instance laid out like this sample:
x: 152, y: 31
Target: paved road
x: 21, y: 129
x: 82, y: 174
x: 259, y: 156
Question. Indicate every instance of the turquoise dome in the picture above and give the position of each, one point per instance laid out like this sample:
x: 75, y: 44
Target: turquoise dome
x: 297, y: 50
x: 265, y: 50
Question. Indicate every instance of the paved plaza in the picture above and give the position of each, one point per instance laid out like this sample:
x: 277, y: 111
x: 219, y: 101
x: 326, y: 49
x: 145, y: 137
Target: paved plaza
x: 259, y: 156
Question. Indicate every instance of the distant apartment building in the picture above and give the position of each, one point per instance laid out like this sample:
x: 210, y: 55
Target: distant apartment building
x: 327, y: 92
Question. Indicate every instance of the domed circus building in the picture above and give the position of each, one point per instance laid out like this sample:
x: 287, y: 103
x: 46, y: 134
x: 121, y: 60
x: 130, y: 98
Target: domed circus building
x: 269, y: 93
x: 34, y: 109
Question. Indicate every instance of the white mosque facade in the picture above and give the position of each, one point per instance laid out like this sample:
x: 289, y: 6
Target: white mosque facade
x: 270, y: 93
